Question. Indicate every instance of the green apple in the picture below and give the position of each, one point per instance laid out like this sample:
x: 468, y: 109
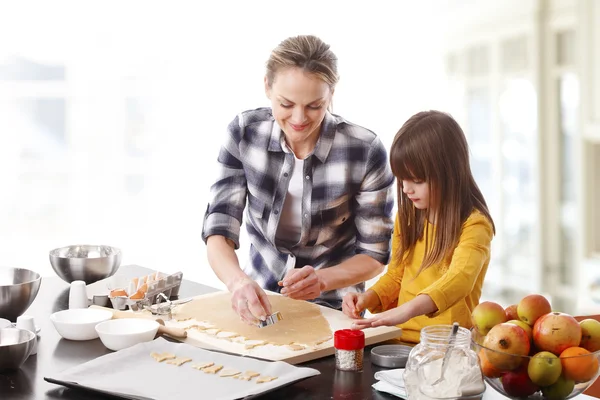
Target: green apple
x: 544, y: 368
x: 558, y: 390
x: 523, y: 325
x: 590, y: 335
x: 486, y: 315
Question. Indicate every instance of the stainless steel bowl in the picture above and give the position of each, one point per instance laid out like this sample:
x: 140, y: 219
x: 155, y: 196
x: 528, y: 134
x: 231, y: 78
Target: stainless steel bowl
x: 18, y: 289
x: 87, y: 263
x: 15, y: 347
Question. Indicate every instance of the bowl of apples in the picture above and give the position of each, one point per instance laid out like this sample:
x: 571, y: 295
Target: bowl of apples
x: 527, y: 351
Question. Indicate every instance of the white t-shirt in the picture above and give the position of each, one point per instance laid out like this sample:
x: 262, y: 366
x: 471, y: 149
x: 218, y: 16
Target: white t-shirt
x: 290, y: 222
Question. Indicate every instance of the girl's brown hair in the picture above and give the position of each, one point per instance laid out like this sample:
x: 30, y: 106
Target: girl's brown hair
x: 431, y: 147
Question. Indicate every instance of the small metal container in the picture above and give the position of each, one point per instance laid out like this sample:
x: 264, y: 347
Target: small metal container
x: 15, y: 347
x: 390, y: 355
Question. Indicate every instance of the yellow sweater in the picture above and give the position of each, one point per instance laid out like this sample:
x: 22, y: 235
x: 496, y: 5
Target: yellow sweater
x: 454, y: 285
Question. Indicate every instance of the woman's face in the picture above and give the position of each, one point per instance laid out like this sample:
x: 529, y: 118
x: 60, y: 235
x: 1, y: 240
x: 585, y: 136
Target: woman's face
x: 299, y: 101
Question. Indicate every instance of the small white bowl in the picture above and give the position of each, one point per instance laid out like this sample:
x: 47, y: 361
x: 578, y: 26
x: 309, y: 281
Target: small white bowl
x: 119, y: 334
x: 79, y: 323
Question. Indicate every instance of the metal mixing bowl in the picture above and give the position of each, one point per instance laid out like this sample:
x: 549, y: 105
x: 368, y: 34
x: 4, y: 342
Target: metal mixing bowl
x: 18, y: 289
x: 15, y: 346
x: 86, y: 263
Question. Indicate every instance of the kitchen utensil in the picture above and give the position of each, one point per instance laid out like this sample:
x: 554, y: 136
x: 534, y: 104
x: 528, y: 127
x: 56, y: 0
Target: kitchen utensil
x: 15, y: 347
x: 448, y: 352
x: 162, y: 329
x: 79, y: 323
x: 118, y: 334
x: 18, y: 289
x: 78, y: 295
x: 390, y: 355
x: 270, y: 320
x: 88, y: 263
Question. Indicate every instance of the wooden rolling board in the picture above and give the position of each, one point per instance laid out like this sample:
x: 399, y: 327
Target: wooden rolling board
x: 337, y: 320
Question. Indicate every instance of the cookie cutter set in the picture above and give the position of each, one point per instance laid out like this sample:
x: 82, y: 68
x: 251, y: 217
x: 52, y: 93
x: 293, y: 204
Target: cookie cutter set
x: 162, y: 289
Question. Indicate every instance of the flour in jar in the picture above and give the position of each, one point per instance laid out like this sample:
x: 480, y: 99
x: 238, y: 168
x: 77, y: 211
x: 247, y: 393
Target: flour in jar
x: 461, y: 378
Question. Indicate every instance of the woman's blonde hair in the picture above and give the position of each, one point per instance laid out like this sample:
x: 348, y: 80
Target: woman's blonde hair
x: 306, y: 52
x: 431, y: 147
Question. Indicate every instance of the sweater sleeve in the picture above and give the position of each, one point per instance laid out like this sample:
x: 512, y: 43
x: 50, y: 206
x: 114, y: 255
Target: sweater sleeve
x: 471, y: 254
x: 388, y: 286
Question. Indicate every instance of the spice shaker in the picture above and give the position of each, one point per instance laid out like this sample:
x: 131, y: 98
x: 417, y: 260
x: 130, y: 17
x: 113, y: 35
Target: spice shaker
x: 349, y: 349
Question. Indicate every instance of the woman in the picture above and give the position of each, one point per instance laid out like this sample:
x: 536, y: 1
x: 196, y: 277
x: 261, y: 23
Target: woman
x: 318, y: 190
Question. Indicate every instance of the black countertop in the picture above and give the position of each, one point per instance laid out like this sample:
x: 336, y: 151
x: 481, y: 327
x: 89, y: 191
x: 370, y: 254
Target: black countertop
x: 56, y: 354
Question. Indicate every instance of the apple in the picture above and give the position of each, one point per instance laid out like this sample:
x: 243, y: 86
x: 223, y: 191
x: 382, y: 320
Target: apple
x: 559, y: 390
x: 523, y: 325
x: 531, y: 307
x: 590, y: 335
x: 517, y: 383
x: 556, y: 331
x: 511, y: 312
x: 504, y: 344
x: 486, y: 315
x: 544, y: 368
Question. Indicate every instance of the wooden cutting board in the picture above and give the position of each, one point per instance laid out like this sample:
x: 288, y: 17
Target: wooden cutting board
x: 337, y: 320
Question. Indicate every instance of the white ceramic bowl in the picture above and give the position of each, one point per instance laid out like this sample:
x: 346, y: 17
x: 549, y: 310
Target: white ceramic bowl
x: 118, y: 334
x: 79, y: 323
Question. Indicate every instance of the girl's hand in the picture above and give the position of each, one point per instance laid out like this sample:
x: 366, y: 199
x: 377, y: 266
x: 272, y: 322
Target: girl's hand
x: 353, y: 304
x: 249, y: 301
x: 391, y: 317
x: 302, y: 284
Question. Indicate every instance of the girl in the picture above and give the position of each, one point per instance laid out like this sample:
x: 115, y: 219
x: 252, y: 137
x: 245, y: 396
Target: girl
x: 442, y: 234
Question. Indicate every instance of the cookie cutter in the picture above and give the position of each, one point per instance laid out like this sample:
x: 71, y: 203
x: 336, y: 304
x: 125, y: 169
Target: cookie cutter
x: 270, y: 320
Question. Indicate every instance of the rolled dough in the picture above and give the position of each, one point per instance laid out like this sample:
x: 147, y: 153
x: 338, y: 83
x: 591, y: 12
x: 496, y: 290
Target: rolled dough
x: 302, y: 321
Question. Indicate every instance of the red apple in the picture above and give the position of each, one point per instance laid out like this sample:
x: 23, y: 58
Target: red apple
x: 504, y: 344
x: 486, y: 315
x: 556, y: 331
x: 511, y: 312
x: 517, y: 383
x: 590, y: 335
x: 531, y: 307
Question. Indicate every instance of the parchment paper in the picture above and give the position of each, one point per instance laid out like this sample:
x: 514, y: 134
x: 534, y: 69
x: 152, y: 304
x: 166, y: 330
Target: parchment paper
x: 132, y: 373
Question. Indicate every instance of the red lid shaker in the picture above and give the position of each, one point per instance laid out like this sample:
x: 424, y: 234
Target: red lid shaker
x: 348, y: 339
x: 349, y: 347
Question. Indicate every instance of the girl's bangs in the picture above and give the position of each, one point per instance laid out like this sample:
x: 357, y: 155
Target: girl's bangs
x: 406, y: 163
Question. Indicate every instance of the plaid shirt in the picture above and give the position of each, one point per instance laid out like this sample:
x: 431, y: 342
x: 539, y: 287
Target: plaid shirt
x: 347, y: 198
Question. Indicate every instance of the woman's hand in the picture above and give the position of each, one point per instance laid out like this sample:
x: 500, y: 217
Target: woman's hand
x: 249, y: 301
x: 391, y: 317
x: 353, y: 304
x: 302, y: 284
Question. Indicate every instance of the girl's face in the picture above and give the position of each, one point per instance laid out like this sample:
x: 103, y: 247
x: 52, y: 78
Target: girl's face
x: 299, y: 101
x: 417, y: 192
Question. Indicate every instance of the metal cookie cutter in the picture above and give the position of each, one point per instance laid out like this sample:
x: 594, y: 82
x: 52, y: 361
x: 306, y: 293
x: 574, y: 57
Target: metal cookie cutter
x: 162, y: 309
x: 270, y: 320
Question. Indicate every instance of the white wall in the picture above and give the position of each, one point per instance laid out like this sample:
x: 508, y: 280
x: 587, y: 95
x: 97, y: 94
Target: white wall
x: 196, y: 66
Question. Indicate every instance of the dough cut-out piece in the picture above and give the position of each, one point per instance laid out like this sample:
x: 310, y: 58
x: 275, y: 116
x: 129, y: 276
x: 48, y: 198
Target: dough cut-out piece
x: 213, y: 369
x: 160, y: 357
x: 295, y: 347
x: 203, y: 365
x: 179, y: 361
x: 264, y: 379
x: 228, y: 372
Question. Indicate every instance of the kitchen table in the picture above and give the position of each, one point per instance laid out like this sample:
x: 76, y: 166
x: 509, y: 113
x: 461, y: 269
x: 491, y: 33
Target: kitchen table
x: 56, y: 354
